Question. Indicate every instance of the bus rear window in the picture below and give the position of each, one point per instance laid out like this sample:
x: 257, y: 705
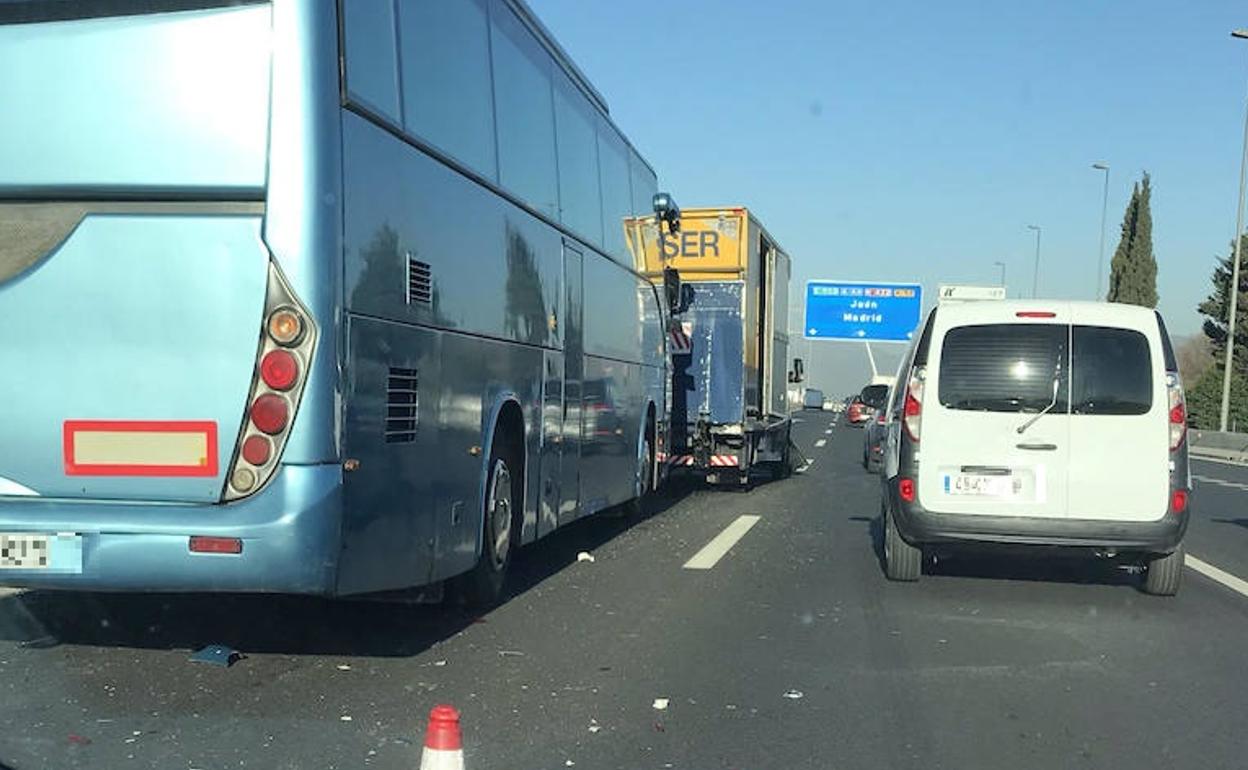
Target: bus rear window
x: 1000, y: 367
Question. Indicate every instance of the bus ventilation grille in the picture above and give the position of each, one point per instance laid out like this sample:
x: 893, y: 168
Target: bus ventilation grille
x: 402, y: 401
x: 419, y: 282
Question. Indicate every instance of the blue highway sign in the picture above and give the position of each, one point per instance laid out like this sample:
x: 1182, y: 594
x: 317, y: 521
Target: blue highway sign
x: 851, y: 310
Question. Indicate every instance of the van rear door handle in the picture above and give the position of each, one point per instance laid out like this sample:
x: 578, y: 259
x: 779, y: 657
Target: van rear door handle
x: 1038, y: 447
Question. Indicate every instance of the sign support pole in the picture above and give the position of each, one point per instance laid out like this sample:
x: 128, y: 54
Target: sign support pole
x: 871, y: 357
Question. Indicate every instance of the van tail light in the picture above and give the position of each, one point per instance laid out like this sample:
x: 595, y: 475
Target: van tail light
x: 287, y: 341
x: 905, y: 488
x: 912, y: 411
x: 1178, y: 411
x: 1178, y: 501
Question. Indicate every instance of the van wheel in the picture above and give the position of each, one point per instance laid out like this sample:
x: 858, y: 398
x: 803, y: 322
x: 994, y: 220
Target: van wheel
x: 902, y: 561
x: 1164, y: 574
x: 483, y: 585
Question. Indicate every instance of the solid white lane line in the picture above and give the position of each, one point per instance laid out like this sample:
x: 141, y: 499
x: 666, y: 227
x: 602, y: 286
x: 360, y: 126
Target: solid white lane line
x: 713, y: 551
x: 1217, y: 460
x: 821, y: 442
x: 1213, y: 573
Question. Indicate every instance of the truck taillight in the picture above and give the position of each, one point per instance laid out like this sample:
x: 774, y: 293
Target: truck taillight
x: 912, y: 411
x: 1178, y: 411
x: 287, y: 340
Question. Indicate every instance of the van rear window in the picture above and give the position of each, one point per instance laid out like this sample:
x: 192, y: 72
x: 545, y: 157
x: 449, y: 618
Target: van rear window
x: 1001, y: 367
x: 1112, y: 372
x: 1010, y: 368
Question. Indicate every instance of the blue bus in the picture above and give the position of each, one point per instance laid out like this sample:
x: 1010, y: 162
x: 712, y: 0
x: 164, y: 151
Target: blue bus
x: 313, y: 297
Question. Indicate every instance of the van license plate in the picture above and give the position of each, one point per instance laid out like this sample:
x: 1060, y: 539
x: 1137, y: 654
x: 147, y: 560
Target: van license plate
x: 54, y: 553
x: 980, y: 485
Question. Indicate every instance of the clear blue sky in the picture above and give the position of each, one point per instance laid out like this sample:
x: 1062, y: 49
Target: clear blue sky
x: 916, y: 140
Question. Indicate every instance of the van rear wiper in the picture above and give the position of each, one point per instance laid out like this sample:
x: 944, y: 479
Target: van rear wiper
x: 1057, y: 381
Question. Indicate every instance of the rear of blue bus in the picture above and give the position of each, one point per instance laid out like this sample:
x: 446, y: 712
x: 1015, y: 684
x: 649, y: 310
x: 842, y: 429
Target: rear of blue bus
x: 166, y: 365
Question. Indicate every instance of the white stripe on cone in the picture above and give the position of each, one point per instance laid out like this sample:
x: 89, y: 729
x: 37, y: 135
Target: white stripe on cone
x: 441, y: 759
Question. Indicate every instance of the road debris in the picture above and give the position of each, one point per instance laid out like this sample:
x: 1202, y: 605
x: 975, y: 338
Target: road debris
x: 344, y: 718
x: 510, y: 654
x: 585, y: 556
x: 217, y: 655
x: 660, y: 704
x: 439, y: 663
x: 794, y: 694
x: 79, y: 740
x: 343, y: 667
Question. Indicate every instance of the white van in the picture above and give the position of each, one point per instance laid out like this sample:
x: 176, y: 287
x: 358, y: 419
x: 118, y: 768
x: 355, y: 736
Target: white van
x: 1039, y: 423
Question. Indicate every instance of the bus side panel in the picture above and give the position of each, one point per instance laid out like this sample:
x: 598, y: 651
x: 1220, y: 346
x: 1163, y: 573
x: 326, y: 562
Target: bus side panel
x: 614, y: 407
x: 303, y: 214
x: 426, y: 245
x: 477, y: 376
x: 389, y: 499
x: 614, y: 391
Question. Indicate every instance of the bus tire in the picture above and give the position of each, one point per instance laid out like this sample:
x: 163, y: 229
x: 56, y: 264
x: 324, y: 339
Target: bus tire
x: 483, y: 585
x: 636, y: 507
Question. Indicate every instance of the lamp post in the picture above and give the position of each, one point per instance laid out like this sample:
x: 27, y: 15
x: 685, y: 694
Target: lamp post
x: 1100, y: 264
x: 1233, y: 298
x: 1035, y: 277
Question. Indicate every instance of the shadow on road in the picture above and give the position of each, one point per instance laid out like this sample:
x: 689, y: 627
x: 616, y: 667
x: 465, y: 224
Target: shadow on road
x: 263, y: 623
x: 1237, y: 522
x: 1039, y: 565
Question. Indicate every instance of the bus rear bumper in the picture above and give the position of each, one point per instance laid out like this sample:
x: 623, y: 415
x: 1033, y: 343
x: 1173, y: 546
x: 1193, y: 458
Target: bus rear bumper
x: 289, y: 532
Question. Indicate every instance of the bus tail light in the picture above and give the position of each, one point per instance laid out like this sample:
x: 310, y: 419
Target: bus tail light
x: 1178, y: 411
x: 912, y: 414
x: 287, y: 339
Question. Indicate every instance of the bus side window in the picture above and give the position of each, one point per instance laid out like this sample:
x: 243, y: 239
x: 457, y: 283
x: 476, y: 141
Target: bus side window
x: 446, y: 80
x: 372, y: 72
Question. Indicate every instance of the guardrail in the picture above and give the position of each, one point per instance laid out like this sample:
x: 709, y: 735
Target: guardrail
x: 1219, y: 445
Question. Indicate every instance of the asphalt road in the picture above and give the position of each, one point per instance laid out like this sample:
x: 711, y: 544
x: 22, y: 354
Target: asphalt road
x: 790, y: 650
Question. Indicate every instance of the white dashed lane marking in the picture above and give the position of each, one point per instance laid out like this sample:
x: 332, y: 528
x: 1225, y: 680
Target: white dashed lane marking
x: 821, y: 442
x: 713, y: 551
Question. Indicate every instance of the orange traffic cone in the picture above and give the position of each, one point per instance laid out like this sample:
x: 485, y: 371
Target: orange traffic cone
x: 444, y: 749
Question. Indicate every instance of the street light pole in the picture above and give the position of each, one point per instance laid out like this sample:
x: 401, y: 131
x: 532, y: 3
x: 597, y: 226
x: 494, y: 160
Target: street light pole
x: 1035, y: 277
x: 1100, y: 265
x: 1002, y: 266
x: 1233, y: 298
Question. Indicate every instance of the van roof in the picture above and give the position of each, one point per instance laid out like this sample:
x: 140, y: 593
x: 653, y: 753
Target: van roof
x: 1064, y: 311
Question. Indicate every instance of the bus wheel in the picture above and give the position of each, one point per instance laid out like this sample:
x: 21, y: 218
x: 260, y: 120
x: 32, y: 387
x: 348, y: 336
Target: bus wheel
x: 635, y: 508
x: 483, y: 586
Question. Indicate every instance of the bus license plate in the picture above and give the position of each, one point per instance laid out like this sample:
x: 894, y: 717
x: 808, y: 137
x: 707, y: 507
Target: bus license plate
x: 53, y: 553
x: 980, y: 485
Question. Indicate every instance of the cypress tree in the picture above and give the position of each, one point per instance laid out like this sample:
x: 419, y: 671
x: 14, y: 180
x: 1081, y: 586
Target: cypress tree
x: 1133, y: 271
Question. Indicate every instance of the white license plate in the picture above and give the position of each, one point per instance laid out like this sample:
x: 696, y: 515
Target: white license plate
x: 55, y: 553
x: 981, y: 485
